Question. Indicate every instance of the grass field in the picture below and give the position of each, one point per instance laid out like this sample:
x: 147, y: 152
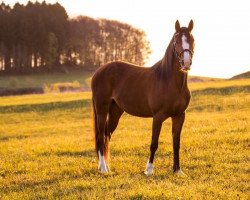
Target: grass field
x: 39, y: 80
x: 46, y: 149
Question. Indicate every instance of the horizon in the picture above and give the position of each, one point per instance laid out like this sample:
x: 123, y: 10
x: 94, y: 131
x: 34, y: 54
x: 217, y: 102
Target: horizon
x: 221, y: 47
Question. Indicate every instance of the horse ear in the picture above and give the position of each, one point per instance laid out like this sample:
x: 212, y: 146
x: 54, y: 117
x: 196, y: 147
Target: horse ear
x: 191, y: 25
x: 177, y: 26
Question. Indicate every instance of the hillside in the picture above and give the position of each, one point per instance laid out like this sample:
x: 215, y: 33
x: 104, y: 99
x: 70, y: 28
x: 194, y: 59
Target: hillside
x: 241, y: 76
x: 198, y: 79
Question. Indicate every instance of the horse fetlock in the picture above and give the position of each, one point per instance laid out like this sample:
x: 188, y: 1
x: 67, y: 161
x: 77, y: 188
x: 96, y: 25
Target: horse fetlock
x: 149, y: 169
x: 180, y: 173
x: 102, y: 167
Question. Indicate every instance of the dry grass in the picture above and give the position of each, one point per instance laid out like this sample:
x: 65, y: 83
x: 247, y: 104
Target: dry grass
x: 46, y: 149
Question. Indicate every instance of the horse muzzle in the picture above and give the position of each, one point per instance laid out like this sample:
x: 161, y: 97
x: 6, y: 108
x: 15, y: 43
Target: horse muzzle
x: 185, y: 59
x: 186, y: 65
x: 184, y: 68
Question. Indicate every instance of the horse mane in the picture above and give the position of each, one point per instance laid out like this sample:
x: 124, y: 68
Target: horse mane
x: 164, y: 67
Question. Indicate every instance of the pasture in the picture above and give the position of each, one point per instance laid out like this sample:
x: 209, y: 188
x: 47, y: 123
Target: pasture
x: 39, y: 80
x: 47, y: 150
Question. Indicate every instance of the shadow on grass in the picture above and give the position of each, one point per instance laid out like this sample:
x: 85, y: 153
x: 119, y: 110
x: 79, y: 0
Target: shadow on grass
x: 45, y: 107
x: 44, y: 183
x: 86, y: 153
x: 76, y: 153
x: 28, y: 184
x: 18, y: 137
x: 115, y: 152
x: 210, y: 108
x: 222, y: 91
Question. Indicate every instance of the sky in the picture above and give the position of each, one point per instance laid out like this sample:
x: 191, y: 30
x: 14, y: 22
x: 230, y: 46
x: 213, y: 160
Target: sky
x: 221, y: 28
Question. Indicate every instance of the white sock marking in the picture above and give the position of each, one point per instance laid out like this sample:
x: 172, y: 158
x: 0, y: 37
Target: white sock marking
x: 149, y: 169
x: 102, y: 164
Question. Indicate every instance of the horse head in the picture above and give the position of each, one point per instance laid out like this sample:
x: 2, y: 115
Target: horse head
x: 183, y: 45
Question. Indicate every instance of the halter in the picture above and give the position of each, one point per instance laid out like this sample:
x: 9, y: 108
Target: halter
x: 178, y: 55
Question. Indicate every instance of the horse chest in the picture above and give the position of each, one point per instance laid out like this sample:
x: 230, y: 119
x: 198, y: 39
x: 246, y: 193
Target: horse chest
x: 179, y: 103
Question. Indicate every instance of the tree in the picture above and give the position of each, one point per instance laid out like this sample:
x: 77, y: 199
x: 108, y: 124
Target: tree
x: 52, y: 51
x: 39, y: 37
x: 95, y: 42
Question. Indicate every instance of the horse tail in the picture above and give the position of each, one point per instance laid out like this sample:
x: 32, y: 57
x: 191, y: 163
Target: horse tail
x: 95, y: 126
x: 96, y: 135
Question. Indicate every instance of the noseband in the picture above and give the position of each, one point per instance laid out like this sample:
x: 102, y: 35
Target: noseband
x: 178, y: 55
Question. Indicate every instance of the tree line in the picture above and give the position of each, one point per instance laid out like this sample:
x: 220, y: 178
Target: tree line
x: 40, y: 37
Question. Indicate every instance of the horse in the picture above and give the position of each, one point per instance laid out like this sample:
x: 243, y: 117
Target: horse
x: 159, y: 92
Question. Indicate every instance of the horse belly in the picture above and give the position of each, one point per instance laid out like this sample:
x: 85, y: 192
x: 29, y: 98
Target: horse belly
x: 138, y: 112
x: 133, y: 104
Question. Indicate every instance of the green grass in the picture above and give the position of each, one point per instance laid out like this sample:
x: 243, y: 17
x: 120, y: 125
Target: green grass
x: 46, y: 149
x: 39, y: 80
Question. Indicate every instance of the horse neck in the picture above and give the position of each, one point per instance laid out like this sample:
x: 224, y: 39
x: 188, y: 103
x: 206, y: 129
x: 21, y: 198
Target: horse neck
x: 178, y: 78
x: 169, y: 71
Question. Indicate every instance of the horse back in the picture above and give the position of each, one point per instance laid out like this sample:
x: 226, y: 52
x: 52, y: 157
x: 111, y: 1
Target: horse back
x: 129, y: 85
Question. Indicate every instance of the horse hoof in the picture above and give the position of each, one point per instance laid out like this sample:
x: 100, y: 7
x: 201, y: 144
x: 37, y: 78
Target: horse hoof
x: 103, y: 171
x: 180, y: 173
x: 149, y: 169
x: 148, y: 173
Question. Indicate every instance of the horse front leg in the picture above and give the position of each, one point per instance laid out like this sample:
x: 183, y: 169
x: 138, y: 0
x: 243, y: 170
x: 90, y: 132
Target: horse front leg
x: 156, y: 129
x: 177, y: 123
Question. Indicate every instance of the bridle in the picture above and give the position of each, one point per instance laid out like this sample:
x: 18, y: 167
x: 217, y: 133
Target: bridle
x: 178, y: 55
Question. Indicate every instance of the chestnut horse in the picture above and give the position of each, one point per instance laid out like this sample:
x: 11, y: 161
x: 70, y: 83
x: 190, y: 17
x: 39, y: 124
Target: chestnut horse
x: 159, y: 92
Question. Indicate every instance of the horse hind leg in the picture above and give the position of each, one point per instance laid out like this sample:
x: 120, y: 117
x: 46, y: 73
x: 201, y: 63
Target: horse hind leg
x: 113, y: 118
x: 101, y: 113
x: 115, y: 113
x: 106, y: 126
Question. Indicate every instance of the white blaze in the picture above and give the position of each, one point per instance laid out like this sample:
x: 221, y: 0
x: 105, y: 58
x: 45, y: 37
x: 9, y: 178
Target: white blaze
x: 185, y: 45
